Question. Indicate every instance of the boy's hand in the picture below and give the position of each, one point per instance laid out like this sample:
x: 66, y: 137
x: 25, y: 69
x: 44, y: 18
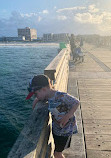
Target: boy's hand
x: 64, y: 119
x: 35, y: 102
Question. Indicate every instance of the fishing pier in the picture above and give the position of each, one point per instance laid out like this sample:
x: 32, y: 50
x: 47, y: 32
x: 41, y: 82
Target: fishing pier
x: 90, y: 81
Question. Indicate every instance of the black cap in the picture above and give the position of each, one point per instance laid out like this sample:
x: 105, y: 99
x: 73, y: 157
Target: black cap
x: 37, y: 83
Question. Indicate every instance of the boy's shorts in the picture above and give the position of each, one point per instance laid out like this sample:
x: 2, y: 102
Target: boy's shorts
x: 61, y: 142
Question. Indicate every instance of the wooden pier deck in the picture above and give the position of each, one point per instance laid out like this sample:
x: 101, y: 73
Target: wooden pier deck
x: 91, y: 82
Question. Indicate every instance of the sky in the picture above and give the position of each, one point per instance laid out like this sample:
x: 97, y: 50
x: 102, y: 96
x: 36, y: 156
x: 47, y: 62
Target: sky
x: 56, y: 16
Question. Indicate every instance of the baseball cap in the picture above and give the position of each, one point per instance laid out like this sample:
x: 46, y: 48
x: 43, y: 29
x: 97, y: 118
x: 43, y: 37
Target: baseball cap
x: 37, y: 83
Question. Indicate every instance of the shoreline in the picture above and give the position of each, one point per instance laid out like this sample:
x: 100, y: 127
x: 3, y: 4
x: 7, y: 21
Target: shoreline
x: 27, y: 44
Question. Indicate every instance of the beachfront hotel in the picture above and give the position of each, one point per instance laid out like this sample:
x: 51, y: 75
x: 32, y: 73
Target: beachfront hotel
x: 50, y: 37
x: 30, y: 34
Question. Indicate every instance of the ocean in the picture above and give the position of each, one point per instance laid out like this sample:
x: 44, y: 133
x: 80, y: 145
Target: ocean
x: 18, y: 64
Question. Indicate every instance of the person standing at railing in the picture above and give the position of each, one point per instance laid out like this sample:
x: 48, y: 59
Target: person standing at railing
x: 62, y: 107
x: 73, y: 45
x: 81, y: 42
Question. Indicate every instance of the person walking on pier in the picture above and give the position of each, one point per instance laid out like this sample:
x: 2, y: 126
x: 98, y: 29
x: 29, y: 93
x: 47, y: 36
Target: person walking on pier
x: 62, y: 107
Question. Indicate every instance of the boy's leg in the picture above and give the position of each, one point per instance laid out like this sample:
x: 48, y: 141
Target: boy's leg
x: 61, y: 143
x: 58, y: 155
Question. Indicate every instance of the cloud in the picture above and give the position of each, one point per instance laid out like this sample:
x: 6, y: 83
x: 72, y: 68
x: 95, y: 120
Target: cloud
x: 39, y: 18
x: 104, y: 17
x: 92, y: 8
x: 45, y: 11
x: 91, y: 17
x: 61, y: 17
x: 18, y: 20
x: 101, y: 21
x: 106, y: 23
x: 70, y: 9
x: 88, y: 18
x: 77, y: 20
x: 29, y: 14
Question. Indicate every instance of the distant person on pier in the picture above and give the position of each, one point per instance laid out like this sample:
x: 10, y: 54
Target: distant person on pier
x: 81, y: 43
x: 62, y: 107
x: 79, y: 54
x: 73, y: 45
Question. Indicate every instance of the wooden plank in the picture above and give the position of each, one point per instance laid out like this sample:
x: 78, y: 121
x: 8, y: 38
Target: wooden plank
x: 98, y: 137
x: 99, y: 145
x: 97, y: 104
x: 98, y: 121
x: 97, y: 129
x: 77, y: 148
x: 98, y: 154
x: 95, y: 90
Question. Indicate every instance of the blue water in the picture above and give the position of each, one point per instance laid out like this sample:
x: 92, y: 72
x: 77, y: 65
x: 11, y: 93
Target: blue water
x: 18, y: 64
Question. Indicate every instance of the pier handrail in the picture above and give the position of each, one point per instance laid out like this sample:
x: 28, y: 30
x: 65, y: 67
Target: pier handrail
x: 58, y: 69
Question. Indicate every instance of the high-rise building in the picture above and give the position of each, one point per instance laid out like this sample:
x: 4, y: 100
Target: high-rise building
x: 30, y: 34
x: 48, y: 37
x: 61, y: 37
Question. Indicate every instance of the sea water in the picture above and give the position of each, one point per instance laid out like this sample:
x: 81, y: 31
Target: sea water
x: 18, y: 64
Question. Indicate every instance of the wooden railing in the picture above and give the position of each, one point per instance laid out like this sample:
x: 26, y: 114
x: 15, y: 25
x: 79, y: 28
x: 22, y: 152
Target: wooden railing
x: 36, y: 140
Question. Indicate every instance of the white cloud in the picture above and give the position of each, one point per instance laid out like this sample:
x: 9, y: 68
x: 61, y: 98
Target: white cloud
x: 29, y: 14
x: 106, y: 22
x: 61, y: 17
x: 45, y: 11
x: 70, y: 9
x: 88, y: 18
x: 101, y: 21
x: 78, y: 20
x: 104, y: 17
x: 92, y: 8
x: 39, y: 19
x: 33, y: 17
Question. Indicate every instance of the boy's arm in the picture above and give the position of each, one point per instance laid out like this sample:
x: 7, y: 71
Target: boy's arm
x: 35, y: 102
x: 65, y: 118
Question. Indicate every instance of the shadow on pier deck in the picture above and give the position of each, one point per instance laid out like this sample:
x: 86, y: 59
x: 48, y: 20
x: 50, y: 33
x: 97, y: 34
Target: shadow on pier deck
x: 91, y: 82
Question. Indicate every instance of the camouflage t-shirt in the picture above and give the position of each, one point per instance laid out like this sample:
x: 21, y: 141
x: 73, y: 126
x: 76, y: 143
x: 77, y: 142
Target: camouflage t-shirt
x: 59, y: 105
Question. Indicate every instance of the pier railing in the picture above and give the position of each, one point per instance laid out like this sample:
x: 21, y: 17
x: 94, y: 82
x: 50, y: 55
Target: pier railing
x: 35, y: 140
x: 58, y: 69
